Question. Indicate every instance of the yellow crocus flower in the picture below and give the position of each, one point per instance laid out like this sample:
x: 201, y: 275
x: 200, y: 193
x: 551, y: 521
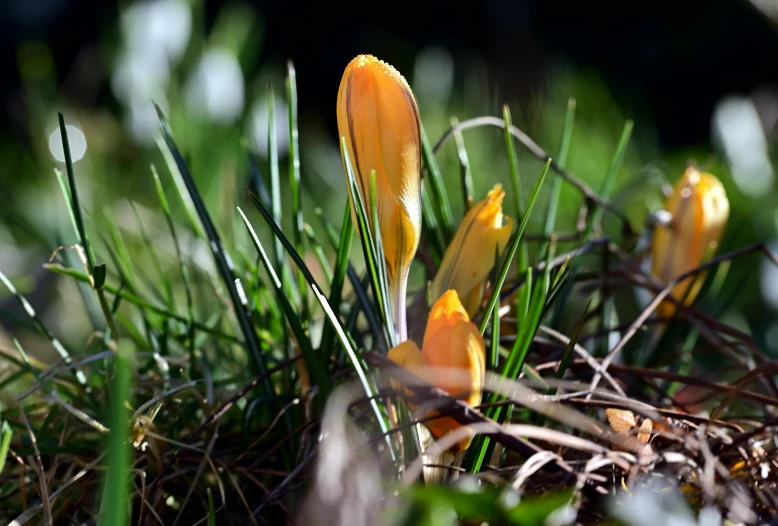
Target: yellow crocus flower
x: 471, y: 255
x: 452, y: 344
x: 378, y: 116
x: 699, y: 209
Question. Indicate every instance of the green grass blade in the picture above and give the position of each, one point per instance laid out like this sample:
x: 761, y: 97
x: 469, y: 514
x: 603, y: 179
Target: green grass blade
x: 223, y: 262
x: 211, y: 509
x: 433, y: 234
x: 315, y: 247
x: 465, y: 177
x: 5, y: 443
x: 438, y: 187
x: 480, y: 450
x: 149, y: 246
x: 73, y: 203
x: 518, y: 199
x: 344, y: 339
x: 113, y: 510
x: 63, y: 353
x: 512, y: 249
x: 339, y: 278
x: 610, y: 177
x: 313, y: 360
x: 556, y: 185
x: 298, y: 221
x: 368, y: 247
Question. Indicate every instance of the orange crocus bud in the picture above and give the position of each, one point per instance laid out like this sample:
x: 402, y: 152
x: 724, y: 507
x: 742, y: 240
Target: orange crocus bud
x: 452, y: 358
x: 471, y: 255
x: 699, y: 209
x: 378, y: 116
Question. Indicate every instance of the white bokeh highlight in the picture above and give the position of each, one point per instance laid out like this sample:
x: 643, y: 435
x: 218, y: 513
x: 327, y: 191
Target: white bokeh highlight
x: 216, y: 87
x: 76, y: 140
x: 739, y: 131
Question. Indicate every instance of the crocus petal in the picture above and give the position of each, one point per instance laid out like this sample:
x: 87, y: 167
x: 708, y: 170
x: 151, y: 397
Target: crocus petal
x: 700, y: 210
x: 471, y: 255
x: 453, y: 341
x: 377, y: 115
x: 452, y: 358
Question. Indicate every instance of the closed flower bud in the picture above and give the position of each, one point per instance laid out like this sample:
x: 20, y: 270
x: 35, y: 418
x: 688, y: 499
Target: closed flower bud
x: 471, y: 255
x: 699, y: 210
x: 452, y: 358
x: 378, y: 117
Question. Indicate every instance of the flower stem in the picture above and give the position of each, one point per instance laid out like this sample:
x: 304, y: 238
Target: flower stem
x: 401, y: 323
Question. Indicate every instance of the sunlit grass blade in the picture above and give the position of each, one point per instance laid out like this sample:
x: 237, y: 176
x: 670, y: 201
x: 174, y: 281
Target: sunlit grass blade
x: 167, y: 286
x: 96, y: 275
x: 610, y: 178
x: 74, y: 204
x: 480, y: 447
x: 5, y: 443
x: 556, y: 185
x: 512, y: 249
x: 360, y: 286
x: 356, y: 361
x: 114, y: 506
x: 223, y: 262
x: 315, y: 364
x: 433, y: 235
x: 465, y: 177
x: 61, y: 351
x: 298, y: 221
x: 338, y: 280
x: 315, y: 247
x: 275, y: 194
x: 438, y: 188
x: 369, y: 249
x: 183, y: 269
x: 513, y: 161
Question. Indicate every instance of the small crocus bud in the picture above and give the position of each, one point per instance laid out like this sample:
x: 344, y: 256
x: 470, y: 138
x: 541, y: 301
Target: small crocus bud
x: 378, y: 116
x: 452, y: 358
x: 699, y: 210
x: 471, y: 255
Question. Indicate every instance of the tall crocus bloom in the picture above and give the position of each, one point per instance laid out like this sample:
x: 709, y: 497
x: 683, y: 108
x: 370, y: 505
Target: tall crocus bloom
x: 378, y: 117
x: 452, y: 358
x: 699, y: 209
x: 471, y: 255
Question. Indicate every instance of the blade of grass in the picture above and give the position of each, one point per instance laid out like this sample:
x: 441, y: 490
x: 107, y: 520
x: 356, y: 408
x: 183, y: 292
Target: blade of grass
x: 478, y: 451
x: 512, y: 249
x: 438, y: 188
x: 294, y: 180
x: 76, y: 215
x: 336, y: 285
x: 344, y: 339
x: 482, y: 446
x: 96, y: 278
x: 5, y: 443
x: 113, y: 510
x: 465, y: 176
x: 610, y: 178
x: 372, y: 262
x: 63, y: 353
x: 223, y: 262
x: 513, y: 159
x: 556, y: 185
x: 313, y: 360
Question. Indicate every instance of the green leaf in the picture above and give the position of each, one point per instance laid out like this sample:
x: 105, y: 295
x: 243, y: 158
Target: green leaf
x: 113, y: 509
x: 298, y: 222
x: 223, y: 262
x: 512, y: 248
x: 438, y: 188
x: 313, y: 360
